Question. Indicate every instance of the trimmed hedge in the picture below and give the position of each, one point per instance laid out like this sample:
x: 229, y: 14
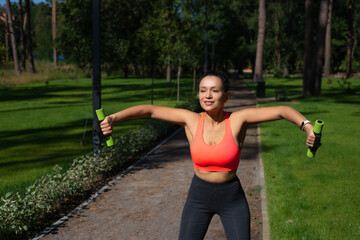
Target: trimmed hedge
x: 20, y: 217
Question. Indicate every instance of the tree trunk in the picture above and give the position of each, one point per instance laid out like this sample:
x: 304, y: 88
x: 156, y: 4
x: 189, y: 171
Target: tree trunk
x: 168, y: 70
x: 258, y: 78
x: 349, y: 37
x: 28, y: 36
x: 260, y: 43
x: 277, y: 42
x: 194, y: 80
x: 286, y: 71
x: 12, y: 37
x: 178, y: 81
x: 22, y: 40
x: 6, y: 36
x: 53, y: 22
x: 320, y: 43
x: 308, y: 53
x: 327, y: 66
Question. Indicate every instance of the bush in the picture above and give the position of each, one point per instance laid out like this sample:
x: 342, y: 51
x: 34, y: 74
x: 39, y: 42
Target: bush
x: 21, y: 217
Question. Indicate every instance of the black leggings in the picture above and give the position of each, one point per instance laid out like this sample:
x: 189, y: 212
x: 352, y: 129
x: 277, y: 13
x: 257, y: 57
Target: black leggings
x: 206, y: 199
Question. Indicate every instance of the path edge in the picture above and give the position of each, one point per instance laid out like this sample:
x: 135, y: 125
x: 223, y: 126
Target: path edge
x: 103, y: 189
x: 264, y: 208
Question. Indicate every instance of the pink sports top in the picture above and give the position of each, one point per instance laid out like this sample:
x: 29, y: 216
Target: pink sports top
x: 222, y: 157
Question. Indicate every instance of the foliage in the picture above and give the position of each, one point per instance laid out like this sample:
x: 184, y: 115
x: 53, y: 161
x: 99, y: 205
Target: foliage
x: 21, y: 216
x: 42, y: 31
x: 140, y: 34
x: 75, y: 31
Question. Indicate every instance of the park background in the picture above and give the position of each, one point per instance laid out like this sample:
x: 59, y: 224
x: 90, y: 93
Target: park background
x: 153, y: 52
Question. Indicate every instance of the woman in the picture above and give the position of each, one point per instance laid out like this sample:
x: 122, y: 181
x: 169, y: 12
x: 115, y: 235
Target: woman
x: 215, y: 139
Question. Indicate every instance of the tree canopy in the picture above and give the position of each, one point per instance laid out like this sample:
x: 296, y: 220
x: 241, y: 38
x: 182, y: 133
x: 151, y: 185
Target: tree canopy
x: 140, y: 35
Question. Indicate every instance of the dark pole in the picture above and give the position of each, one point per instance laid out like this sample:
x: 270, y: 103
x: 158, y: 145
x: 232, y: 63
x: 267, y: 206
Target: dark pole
x: 96, y: 74
x: 213, y: 54
x: 206, y: 47
x: 152, y: 83
x: 206, y: 42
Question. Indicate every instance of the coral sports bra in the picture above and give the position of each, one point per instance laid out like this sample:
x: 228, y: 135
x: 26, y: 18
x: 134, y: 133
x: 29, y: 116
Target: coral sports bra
x: 222, y: 157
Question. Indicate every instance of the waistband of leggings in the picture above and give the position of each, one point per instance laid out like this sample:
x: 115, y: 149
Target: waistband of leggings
x: 230, y: 183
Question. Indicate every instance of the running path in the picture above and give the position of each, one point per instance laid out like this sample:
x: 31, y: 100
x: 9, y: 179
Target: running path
x: 147, y: 202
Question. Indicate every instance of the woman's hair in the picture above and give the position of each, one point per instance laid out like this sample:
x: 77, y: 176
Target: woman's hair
x: 224, y: 79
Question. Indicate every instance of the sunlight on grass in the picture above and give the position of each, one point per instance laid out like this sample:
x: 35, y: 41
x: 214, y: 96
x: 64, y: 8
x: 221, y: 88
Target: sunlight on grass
x: 47, y: 124
x: 314, y: 198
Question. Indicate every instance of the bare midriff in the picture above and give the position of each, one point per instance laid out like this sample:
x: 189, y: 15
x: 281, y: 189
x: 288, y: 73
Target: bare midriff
x: 215, y: 177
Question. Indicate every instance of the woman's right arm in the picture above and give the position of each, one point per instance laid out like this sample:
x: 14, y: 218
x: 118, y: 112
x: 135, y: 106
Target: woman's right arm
x: 174, y: 115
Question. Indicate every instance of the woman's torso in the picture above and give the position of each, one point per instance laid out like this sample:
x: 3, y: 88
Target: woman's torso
x: 212, y: 135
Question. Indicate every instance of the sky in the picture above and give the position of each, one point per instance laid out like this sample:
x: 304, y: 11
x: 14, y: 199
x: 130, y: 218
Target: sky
x: 2, y: 2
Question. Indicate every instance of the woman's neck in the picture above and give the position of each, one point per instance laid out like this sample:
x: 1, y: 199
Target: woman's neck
x: 215, y: 117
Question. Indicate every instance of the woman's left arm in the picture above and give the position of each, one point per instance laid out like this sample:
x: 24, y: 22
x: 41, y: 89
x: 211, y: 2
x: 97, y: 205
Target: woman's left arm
x: 252, y: 116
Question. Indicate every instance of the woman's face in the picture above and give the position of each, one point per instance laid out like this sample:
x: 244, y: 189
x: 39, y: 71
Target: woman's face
x: 211, y: 93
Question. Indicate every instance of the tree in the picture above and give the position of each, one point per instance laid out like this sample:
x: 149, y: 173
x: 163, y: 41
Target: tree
x: 6, y: 35
x: 350, y: 34
x: 320, y: 42
x: 22, y: 39
x: 12, y: 37
x: 308, y: 53
x: 29, y: 37
x: 260, y: 51
x: 328, y: 43
x: 54, y: 30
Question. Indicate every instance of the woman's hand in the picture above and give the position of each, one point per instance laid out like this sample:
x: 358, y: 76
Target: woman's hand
x: 310, y: 139
x: 107, y: 125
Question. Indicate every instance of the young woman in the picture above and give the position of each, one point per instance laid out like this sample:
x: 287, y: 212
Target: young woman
x: 215, y: 139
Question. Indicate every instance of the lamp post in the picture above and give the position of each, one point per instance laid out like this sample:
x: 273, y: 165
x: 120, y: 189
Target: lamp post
x: 206, y: 42
x: 213, y: 52
x: 96, y: 74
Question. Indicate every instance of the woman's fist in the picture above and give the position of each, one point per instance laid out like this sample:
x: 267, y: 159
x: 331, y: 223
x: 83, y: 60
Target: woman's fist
x: 106, y: 125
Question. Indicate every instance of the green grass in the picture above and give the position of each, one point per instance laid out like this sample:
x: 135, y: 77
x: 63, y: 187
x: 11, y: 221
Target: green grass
x: 42, y: 125
x: 315, y: 198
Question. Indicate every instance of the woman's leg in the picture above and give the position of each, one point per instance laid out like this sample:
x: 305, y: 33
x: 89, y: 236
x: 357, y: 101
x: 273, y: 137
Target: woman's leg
x: 194, y: 222
x: 196, y: 215
x: 234, y: 214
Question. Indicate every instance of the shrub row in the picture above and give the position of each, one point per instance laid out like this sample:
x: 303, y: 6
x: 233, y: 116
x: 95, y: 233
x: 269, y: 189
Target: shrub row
x: 20, y: 216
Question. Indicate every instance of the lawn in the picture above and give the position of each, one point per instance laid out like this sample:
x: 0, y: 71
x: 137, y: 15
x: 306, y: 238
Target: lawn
x: 47, y: 124
x: 314, y: 198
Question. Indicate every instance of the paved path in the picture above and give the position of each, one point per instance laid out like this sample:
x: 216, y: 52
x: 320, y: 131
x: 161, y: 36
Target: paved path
x: 147, y: 202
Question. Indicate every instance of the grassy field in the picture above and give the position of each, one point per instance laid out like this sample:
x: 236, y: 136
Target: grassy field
x: 315, y: 198
x: 47, y: 124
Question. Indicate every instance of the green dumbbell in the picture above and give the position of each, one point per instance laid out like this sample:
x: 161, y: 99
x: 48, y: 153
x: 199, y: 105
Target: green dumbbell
x: 101, y: 116
x: 317, y: 130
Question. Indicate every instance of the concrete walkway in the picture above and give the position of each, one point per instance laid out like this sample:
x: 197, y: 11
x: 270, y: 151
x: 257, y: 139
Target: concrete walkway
x: 147, y: 202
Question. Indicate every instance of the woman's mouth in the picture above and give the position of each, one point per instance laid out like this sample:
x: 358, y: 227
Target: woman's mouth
x: 208, y: 103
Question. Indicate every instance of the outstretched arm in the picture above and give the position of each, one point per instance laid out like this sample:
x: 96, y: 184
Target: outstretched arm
x: 252, y: 116
x: 174, y: 115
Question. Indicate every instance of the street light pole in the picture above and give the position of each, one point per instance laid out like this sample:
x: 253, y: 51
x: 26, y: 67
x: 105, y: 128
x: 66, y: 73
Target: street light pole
x: 206, y: 42
x: 213, y: 52
x: 96, y: 74
x: 213, y: 55
x: 206, y: 47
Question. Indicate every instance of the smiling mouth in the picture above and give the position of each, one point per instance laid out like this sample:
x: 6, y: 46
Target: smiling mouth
x: 207, y: 103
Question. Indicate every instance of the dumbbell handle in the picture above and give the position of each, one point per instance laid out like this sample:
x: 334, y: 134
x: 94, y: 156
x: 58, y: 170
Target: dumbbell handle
x: 317, y: 131
x: 101, y: 116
